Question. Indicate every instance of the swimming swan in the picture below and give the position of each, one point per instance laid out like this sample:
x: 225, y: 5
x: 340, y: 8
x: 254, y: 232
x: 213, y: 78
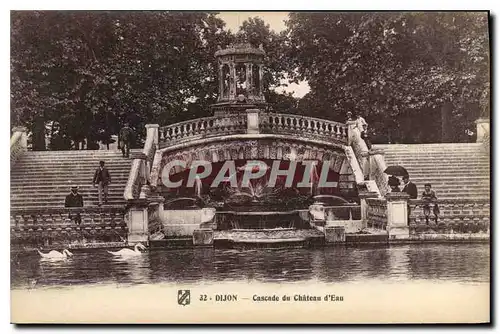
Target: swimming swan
x: 53, y: 254
x: 129, y: 252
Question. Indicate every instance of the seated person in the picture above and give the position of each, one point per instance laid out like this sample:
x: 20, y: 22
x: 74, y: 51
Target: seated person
x: 429, y: 198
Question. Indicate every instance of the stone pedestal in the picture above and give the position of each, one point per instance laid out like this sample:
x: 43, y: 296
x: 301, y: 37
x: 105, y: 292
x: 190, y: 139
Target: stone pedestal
x: 397, y: 215
x: 24, y: 136
x: 334, y: 234
x: 203, y: 237
x: 363, y: 195
x: 137, y: 222
x: 482, y: 129
x: 252, y: 121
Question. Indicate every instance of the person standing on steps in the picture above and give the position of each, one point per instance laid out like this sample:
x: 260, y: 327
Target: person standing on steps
x: 102, y: 178
x: 74, y: 200
x: 124, y: 139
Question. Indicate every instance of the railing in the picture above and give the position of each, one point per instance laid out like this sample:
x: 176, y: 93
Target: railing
x: 377, y: 166
x: 303, y: 126
x: 18, y: 144
x: 202, y: 128
x: 36, y: 226
x: 455, y: 216
x: 377, y: 213
x: 269, y: 123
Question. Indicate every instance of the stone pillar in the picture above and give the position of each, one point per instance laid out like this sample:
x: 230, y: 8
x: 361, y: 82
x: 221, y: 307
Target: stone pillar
x: 252, y: 121
x: 334, y: 234
x: 221, y: 81
x: 137, y: 221
x: 232, y: 81
x: 261, y: 74
x: 482, y: 129
x: 363, y: 195
x: 24, y: 136
x: 152, y: 130
x: 397, y: 215
x: 204, y: 237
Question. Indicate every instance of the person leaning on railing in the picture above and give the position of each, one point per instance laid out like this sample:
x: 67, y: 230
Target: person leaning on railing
x: 429, y: 197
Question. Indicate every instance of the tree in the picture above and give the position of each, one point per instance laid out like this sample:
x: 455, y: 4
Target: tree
x: 394, y: 68
x: 83, y: 74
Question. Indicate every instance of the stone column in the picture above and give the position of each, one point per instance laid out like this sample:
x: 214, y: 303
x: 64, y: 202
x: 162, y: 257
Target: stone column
x: 137, y: 221
x: 152, y: 130
x: 232, y: 81
x: 248, y: 79
x: 253, y: 121
x: 221, y: 81
x: 482, y: 129
x: 397, y: 215
x: 261, y: 74
x: 363, y: 195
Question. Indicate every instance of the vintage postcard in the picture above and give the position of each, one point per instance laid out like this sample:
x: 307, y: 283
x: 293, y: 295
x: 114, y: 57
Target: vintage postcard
x: 250, y: 167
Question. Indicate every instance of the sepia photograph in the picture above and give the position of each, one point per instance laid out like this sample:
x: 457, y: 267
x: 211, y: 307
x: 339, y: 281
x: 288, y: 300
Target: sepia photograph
x: 198, y: 167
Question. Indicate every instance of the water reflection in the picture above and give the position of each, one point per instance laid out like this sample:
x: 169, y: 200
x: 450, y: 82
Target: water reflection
x: 459, y: 262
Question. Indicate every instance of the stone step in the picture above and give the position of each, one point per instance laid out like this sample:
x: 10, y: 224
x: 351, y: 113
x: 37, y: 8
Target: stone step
x: 65, y: 175
x: 437, y: 163
x: 59, y: 173
x: 80, y: 152
x: 59, y: 187
x: 70, y: 163
x: 86, y: 202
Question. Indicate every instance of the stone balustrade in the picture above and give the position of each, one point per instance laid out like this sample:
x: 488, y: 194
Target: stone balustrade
x: 377, y: 213
x: 47, y: 226
x: 456, y: 216
x: 303, y: 126
x: 202, y: 128
x: 267, y: 123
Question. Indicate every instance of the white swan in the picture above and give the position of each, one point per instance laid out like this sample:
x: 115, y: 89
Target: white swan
x: 128, y: 251
x: 53, y: 254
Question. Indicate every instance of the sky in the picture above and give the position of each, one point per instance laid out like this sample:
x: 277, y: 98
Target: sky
x: 276, y: 22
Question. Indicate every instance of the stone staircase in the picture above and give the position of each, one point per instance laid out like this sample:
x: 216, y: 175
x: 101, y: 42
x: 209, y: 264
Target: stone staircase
x: 456, y: 171
x: 43, y: 179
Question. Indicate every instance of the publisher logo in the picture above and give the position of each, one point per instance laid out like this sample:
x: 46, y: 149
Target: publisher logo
x: 184, y: 297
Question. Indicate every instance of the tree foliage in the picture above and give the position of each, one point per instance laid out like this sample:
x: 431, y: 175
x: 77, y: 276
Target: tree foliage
x: 403, y: 71
x: 86, y: 73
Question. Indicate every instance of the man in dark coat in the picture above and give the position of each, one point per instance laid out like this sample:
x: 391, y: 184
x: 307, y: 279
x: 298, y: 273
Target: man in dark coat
x: 409, y: 187
x: 124, y: 139
x: 102, y: 178
x: 74, y: 200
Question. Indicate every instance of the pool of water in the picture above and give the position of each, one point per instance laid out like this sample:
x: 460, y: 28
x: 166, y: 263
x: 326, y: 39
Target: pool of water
x: 430, y: 262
